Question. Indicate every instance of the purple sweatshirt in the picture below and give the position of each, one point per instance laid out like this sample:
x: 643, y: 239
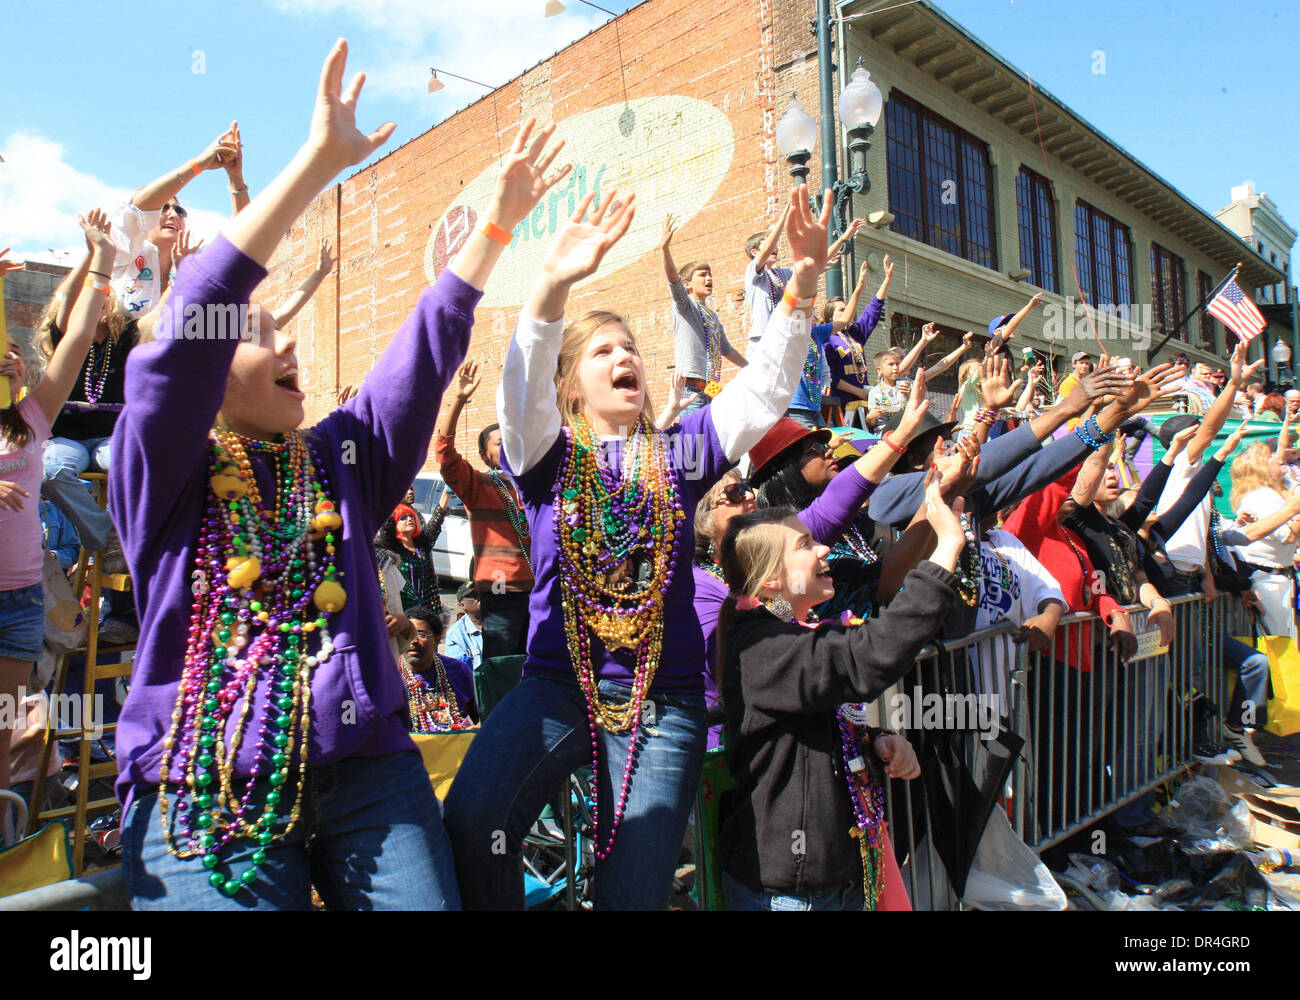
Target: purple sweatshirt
x: 826, y: 518
x: 700, y: 462
x: 843, y: 345
x: 158, y: 489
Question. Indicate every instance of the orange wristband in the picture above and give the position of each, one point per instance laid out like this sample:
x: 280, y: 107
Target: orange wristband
x: 96, y: 286
x: 195, y: 169
x: 794, y: 302
x: 496, y: 234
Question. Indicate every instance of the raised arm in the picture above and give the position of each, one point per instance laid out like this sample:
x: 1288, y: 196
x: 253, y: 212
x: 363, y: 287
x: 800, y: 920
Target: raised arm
x: 665, y: 245
x: 526, y: 408
x: 928, y: 333
x: 1091, y: 476
x: 289, y: 308
x: 769, y: 244
x: 952, y: 357
x: 70, y: 353
x: 851, y: 306
x: 757, y: 397
x: 233, y: 162
x: 838, y: 245
x: 154, y: 195
x: 1010, y: 330
x: 1217, y: 415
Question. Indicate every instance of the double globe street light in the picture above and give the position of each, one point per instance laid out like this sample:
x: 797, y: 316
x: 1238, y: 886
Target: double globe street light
x: 860, y: 105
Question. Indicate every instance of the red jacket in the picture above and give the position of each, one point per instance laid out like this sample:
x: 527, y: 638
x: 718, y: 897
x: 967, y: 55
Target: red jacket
x: 1063, y: 554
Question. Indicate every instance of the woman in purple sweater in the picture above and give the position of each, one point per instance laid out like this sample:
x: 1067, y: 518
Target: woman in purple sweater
x: 263, y: 745
x: 614, y: 672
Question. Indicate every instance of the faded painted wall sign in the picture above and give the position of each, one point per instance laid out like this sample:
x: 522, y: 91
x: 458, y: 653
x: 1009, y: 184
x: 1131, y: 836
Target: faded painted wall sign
x: 674, y: 157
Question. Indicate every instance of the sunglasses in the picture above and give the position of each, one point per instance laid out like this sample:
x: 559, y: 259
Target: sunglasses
x: 816, y: 448
x: 176, y: 208
x: 734, y: 493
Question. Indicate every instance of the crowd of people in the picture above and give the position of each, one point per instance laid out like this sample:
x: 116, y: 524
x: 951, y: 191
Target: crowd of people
x: 750, y: 567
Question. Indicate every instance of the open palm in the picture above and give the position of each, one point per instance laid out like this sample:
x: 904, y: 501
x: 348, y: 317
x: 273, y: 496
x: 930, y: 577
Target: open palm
x: 334, y: 131
x: 580, y: 246
x: 522, y: 182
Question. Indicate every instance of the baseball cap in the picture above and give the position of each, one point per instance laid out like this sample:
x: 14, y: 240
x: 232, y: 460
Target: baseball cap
x: 1080, y: 356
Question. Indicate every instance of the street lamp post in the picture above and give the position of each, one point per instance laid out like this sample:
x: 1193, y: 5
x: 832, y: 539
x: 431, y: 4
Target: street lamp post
x: 1281, y: 355
x: 860, y: 106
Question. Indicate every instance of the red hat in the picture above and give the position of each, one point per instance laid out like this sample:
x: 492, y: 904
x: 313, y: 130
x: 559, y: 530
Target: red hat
x: 402, y: 510
x: 785, y: 433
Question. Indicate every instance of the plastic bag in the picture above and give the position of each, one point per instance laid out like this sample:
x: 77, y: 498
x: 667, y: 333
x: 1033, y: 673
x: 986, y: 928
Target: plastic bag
x: 1095, y: 872
x: 1007, y: 875
x: 1198, y: 807
x: 1234, y: 833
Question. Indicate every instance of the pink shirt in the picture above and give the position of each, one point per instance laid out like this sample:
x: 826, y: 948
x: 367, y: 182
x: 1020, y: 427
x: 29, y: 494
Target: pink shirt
x: 20, y: 531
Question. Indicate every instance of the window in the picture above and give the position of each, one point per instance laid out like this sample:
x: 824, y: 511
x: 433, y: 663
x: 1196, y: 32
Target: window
x: 1168, y: 289
x: 1103, y: 257
x: 1036, y: 215
x: 1209, y: 332
x: 905, y: 331
x: 940, y: 184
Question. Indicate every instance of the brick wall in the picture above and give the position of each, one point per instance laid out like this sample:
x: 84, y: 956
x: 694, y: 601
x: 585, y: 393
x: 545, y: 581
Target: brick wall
x: 382, y: 218
x: 26, y: 294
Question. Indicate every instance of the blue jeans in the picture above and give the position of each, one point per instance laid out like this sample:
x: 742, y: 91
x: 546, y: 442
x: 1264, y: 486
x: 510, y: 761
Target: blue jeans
x: 76, y: 456
x: 700, y: 401
x: 739, y: 897
x: 533, y: 740
x: 22, y: 622
x: 1249, y: 705
x: 805, y: 418
x: 376, y: 843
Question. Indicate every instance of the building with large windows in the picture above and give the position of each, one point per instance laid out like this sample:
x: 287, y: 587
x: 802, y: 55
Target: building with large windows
x: 985, y: 190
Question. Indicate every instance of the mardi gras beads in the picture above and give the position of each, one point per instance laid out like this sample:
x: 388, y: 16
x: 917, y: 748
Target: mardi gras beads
x: 868, y: 800
x: 261, y: 593
x: 618, y: 542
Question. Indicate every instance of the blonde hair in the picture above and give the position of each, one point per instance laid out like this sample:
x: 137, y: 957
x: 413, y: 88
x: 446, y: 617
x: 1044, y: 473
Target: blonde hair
x: 704, y: 513
x: 1250, y: 472
x: 967, y: 370
x: 753, y: 550
x: 572, y: 345
x: 115, y: 322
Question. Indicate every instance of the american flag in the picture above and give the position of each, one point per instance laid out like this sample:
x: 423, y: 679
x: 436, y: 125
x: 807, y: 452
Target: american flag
x: 1235, y: 310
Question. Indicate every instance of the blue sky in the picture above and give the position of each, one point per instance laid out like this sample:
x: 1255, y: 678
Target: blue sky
x: 1205, y: 94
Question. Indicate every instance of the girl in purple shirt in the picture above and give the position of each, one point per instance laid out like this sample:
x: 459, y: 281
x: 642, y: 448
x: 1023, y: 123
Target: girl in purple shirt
x: 614, y: 672
x: 263, y: 747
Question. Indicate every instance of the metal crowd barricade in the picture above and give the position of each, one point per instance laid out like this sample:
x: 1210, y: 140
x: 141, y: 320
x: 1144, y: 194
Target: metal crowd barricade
x: 1094, y: 741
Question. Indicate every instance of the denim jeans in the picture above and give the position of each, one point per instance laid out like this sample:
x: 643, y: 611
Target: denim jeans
x: 700, y: 401
x: 1249, y: 705
x: 22, y: 622
x: 805, y: 418
x: 504, y: 623
x: 376, y: 843
x: 739, y: 897
x: 76, y: 456
x: 533, y: 740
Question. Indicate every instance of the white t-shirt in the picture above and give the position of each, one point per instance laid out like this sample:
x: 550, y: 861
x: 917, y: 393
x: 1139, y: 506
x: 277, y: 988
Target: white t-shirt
x: 1014, y: 587
x: 758, y: 294
x: 1187, y: 547
x: 136, y: 277
x: 1273, y: 549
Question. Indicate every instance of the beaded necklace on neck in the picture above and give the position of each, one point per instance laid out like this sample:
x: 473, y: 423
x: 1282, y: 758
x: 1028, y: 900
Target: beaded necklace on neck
x: 95, y: 373
x: 262, y: 590
x: 712, y: 348
x: 607, y: 521
x: 970, y: 569
x: 434, y: 707
x: 514, y: 515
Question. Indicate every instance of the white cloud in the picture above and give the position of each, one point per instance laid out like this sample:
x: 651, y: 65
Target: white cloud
x: 492, y: 44
x: 41, y: 195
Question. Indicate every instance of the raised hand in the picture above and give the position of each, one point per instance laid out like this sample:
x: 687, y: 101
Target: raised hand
x: 9, y: 266
x: 334, y: 138
x: 1241, y: 371
x: 959, y: 470
x: 220, y: 152
x: 1180, y: 440
x: 889, y: 266
x: 929, y: 332
x: 914, y: 413
x: 522, y: 182
x: 669, y: 231
x: 808, y: 238
x: 327, y: 258
x: 943, y: 519
x: 347, y: 392
x: 468, y: 377
x: 1095, y: 386
x: 1148, y: 387
x: 995, y: 382
x: 233, y: 152
x: 95, y: 225
x: 580, y: 246
x: 186, y: 246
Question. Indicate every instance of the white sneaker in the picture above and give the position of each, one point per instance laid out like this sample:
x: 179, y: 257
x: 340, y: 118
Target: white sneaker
x: 1213, y: 755
x: 1243, y: 743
